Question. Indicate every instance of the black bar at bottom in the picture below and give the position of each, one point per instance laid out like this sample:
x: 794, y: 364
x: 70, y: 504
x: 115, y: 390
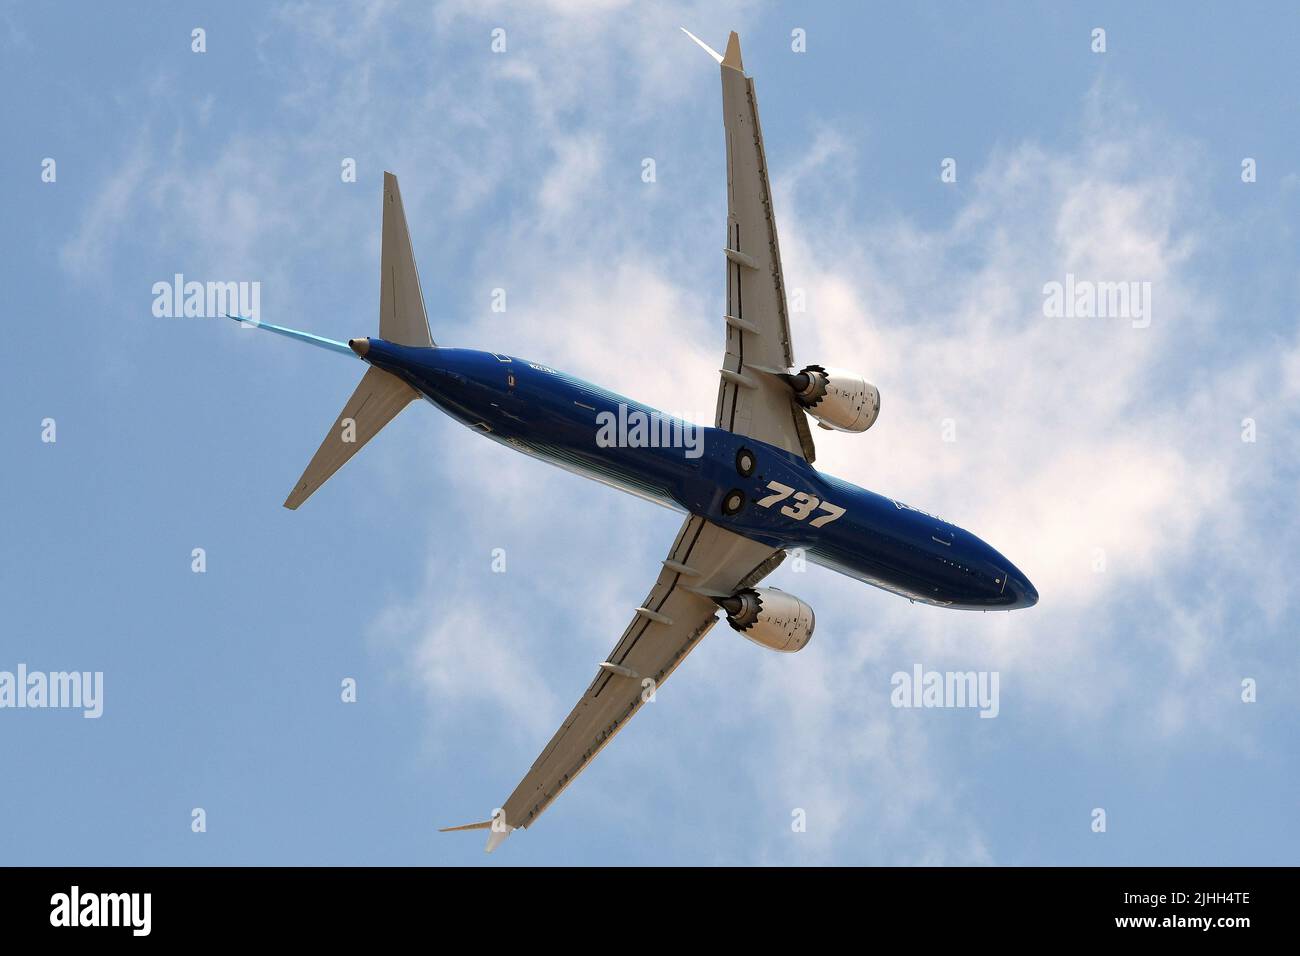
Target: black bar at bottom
x: 544, y: 907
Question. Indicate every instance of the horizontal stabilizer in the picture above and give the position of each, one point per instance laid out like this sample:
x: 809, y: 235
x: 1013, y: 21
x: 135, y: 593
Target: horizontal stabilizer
x: 375, y: 403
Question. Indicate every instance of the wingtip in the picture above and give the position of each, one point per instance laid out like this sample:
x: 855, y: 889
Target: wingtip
x: 466, y: 826
x: 495, y: 838
x: 732, y: 57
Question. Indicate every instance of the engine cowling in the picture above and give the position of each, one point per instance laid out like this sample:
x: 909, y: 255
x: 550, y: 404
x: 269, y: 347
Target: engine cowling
x: 839, y: 400
x: 772, y: 618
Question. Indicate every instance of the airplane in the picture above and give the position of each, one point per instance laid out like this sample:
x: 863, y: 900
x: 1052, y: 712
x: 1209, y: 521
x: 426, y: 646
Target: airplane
x: 747, y: 485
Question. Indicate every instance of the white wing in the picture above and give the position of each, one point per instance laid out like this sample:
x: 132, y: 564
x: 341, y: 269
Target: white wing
x: 705, y: 560
x: 751, y: 400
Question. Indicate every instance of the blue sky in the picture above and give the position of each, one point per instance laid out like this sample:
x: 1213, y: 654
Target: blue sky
x: 1075, y: 438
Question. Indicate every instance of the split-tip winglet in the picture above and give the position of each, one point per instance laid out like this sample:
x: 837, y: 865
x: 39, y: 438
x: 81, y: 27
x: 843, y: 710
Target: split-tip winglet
x: 496, y: 837
x: 707, y: 49
x: 732, y: 56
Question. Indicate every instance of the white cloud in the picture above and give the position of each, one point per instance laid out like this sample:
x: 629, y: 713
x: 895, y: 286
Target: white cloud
x: 85, y: 254
x: 462, y: 656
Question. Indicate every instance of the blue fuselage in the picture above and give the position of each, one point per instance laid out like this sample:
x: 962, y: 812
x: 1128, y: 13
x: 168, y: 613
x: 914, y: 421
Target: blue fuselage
x: 786, y: 502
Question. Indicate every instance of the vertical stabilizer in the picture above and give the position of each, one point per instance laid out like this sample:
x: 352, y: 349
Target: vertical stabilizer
x: 402, y: 318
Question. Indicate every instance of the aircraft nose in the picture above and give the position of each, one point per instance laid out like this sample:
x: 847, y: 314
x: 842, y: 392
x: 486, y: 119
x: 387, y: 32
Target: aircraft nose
x: 1025, y: 593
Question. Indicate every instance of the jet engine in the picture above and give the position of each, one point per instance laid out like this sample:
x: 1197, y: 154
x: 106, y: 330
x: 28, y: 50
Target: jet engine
x: 839, y: 400
x: 772, y: 618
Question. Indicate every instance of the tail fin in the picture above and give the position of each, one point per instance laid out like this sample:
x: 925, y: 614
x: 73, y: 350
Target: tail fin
x: 381, y: 395
x: 402, y: 318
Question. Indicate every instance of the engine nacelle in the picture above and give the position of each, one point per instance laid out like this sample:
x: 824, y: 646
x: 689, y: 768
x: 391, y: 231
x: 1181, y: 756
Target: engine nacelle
x: 772, y: 618
x: 839, y: 400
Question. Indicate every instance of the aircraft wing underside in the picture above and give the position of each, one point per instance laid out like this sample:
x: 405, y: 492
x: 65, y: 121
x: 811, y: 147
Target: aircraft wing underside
x: 705, y: 560
x: 751, y: 401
